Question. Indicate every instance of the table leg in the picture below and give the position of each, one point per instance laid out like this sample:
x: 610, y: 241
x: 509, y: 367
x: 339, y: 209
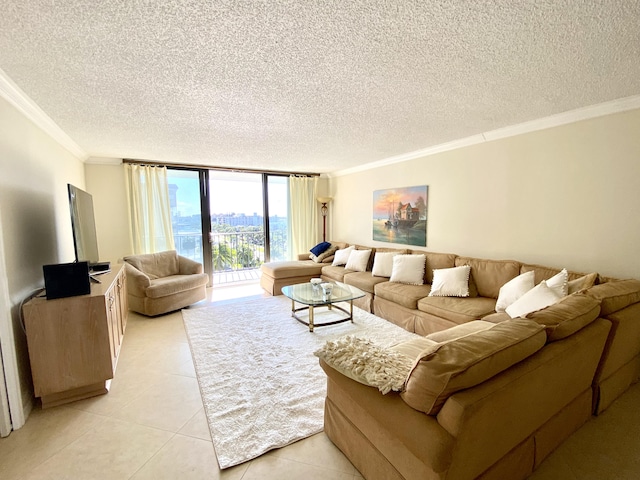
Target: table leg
x: 351, y: 310
x: 311, y: 318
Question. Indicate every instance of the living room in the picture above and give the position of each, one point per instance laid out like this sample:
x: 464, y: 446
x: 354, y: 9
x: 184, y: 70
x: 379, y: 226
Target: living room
x: 560, y: 189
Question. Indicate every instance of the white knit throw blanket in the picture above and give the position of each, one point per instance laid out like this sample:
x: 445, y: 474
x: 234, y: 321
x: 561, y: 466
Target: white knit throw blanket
x: 367, y: 363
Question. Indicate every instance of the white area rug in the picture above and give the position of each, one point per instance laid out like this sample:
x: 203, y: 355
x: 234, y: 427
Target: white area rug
x: 261, y: 385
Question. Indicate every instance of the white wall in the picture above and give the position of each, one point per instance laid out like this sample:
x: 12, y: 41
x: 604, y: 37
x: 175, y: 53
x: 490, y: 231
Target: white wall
x: 34, y: 211
x: 565, y: 197
x: 106, y: 183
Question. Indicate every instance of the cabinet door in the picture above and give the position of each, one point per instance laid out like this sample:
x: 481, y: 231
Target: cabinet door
x: 112, y: 325
x: 123, y: 300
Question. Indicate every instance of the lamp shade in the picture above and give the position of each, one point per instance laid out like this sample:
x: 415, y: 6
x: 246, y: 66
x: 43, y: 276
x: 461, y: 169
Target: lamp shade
x: 324, y: 199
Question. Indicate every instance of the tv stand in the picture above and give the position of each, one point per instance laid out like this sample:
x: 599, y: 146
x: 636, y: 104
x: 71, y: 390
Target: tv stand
x: 74, y: 342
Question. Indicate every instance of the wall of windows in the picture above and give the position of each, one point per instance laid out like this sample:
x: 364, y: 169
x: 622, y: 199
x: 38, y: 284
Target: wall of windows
x: 229, y: 221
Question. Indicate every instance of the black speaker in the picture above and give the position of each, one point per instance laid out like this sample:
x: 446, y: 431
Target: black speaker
x: 66, y: 279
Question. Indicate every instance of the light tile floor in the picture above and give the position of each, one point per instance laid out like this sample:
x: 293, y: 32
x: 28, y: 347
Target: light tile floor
x: 151, y: 425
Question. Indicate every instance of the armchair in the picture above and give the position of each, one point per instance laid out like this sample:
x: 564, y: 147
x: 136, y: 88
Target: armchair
x: 163, y: 282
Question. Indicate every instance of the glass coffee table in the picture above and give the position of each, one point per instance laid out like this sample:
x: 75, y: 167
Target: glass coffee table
x: 312, y: 296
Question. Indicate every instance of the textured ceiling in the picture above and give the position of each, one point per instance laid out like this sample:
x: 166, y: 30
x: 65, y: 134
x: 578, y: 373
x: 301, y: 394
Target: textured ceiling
x: 310, y: 85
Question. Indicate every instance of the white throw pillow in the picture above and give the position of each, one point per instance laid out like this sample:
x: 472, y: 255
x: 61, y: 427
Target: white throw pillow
x: 539, y: 297
x: 342, y: 256
x: 383, y: 264
x: 408, y: 269
x: 358, y: 260
x: 450, y: 282
x: 560, y: 283
x: 514, y: 289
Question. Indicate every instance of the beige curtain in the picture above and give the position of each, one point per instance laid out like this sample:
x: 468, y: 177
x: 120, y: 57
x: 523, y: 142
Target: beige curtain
x: 303, y: 215
x: 149, y: 209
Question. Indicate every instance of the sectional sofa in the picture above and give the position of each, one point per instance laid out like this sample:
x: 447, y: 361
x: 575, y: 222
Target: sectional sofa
x: 494, y: 396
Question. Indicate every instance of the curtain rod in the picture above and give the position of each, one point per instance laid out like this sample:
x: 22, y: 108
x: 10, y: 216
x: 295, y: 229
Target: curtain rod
x: 209, y: 167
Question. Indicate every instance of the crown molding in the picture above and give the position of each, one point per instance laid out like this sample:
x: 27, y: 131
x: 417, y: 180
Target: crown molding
x: 585, y: 113
x: 96, y: 160
x: 16, y: 97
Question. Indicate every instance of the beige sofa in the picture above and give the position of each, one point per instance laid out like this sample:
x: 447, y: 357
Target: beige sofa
x: 503, y: 426
x: 162, y: 282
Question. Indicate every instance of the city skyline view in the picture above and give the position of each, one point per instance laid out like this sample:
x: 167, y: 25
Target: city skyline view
x: 229, y: 195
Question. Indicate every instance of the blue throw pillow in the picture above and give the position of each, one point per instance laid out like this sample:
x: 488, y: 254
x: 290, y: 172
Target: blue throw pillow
x: 319, y: 248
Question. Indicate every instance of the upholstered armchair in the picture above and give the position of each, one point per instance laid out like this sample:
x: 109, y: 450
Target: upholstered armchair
x: 163, y: 282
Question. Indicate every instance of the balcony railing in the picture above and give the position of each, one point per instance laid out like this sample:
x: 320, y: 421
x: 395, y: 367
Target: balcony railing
x: 233, y: 251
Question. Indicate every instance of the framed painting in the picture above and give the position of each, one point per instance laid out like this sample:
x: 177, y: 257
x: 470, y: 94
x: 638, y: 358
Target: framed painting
x: 400, y: 215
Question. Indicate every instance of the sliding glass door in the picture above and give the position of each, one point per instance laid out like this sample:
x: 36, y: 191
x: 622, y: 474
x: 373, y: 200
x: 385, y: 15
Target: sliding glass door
x: 229, y: 221
x: 277, y: 215
x: 237, y: 221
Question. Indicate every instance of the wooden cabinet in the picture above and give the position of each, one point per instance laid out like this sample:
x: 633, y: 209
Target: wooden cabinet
x: 74, y: 342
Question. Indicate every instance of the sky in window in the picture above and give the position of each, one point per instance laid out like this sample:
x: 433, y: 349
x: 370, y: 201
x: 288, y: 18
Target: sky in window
x: 228, y: 195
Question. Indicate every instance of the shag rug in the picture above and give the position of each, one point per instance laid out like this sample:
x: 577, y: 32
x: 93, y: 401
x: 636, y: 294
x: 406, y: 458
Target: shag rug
x: 261, y: 385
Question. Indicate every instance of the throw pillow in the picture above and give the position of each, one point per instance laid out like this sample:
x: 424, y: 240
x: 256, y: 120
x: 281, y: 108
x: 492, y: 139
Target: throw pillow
x: 539, y: 297
x: 587, y: 281
x: 342, y: 256
x: 451, y: 282
x: 383, y: 264
x: 514, y: 289
x: 319, y: 248
x: 408, y: 269
x: 324, y: 256
x: 367, y: 363
x: 358, y: 260
x: 560, y: 283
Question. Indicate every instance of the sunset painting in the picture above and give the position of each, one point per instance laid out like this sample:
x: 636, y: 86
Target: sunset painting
x: 400, y: 215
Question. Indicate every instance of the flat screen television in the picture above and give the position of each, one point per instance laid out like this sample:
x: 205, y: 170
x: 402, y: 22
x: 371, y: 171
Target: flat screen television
x: 85, y: 240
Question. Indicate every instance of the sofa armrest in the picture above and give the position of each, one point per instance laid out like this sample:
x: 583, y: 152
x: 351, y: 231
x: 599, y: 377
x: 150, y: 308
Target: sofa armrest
x: 186, y: 266
x: 303, y: 256
x: 137, y: 281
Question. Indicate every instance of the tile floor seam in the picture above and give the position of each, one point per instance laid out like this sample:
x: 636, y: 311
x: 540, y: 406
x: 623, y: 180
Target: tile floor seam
x: 69, y: 442
x: 152, y: 456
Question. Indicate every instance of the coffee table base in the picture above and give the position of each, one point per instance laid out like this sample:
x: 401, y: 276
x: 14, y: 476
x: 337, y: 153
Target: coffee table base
x: 311, y: 324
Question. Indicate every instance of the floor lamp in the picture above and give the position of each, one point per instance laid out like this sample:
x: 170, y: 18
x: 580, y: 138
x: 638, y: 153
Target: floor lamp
x: 324, y: 210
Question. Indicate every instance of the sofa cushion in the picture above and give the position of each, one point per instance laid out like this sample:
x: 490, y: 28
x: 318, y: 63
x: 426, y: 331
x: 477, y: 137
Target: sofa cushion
x: 288, y: 269
x: 459, y: 331
x: 402, y: 294
x: 450, y: 282
x: 358, y: 260
x: 435, y: 261
x: 161, y: 287
x: 544, y: 273
x: 537, y: 298
x: 413, y: 348
x: 567, y: 316
x: 458, y: 310
x: 489, y: 275
x: 615, y: 295
x: 514, y: 289
x: 335, y: 273
x: 468, y: 361
x: 156, y: 265
x: 408, y: 269
x: 363, y: 280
